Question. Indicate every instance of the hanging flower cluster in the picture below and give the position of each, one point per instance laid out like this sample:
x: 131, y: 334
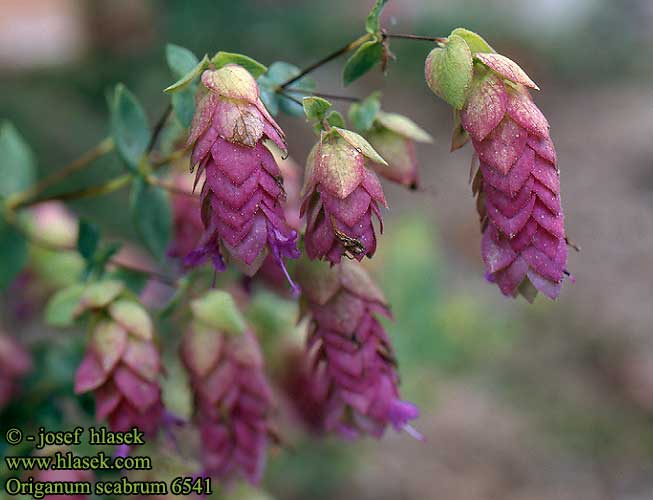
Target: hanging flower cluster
x: 517, y: 183
x: 232, y: 395
x: 121, y: 365
x: 242, y: 195
x: 353, y: 368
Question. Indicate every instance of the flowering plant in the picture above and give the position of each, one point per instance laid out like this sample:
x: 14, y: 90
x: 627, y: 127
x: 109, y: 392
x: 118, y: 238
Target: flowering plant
x: 247, y: 222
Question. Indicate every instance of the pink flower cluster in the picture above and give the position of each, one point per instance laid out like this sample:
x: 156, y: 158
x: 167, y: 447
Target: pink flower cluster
x: 518, y: 182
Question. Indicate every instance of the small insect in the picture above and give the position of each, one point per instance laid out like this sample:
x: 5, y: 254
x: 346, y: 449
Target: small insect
x: 353, y: 247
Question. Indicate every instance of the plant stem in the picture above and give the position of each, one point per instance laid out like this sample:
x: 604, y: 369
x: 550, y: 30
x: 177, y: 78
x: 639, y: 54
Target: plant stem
x: 158, y: 127
x: 105, y: 146
x: 350, y: 46
x: 435, y: 39
x: 87, y: 192
x: 168, y: 187
x: 53, y: 247
x: 334, y: 97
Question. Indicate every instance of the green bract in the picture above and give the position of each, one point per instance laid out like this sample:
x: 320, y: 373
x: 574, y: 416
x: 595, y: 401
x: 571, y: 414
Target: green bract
x: 449, y: 70
x: 223, y: 58
x: 190, y: 76
x: 315, y: 108
x: 61, y: 309
x: 218, y: 310
x: 475, y: 42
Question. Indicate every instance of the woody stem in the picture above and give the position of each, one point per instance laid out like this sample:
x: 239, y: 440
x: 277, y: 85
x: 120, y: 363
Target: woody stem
x: 105, y: 146
x: 434, y: 39
x: 343, y: 50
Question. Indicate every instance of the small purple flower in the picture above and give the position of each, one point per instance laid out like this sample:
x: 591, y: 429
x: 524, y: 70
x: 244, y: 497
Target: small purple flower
x: 233, y: 401
x: 242, y: 196
x: 354, y: 369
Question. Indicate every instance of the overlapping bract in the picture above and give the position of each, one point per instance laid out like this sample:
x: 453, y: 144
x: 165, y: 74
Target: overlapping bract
x: 353, y: 370
x: 394, y: 137
x: 121, y: 366
x: 15, y: 363
x: 232, y: 399
x: 243, y: 191
x: 518, y: 185
x: 340, y: 196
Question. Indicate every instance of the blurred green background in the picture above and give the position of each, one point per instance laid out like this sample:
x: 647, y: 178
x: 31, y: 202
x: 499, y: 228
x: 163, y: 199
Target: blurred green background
x: 519, y: 402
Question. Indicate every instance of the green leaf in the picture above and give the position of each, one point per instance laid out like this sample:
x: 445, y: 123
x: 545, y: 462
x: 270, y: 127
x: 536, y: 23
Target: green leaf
x: 278, y: 73
x: 335, y: 119
x: 315, y: 107
x: 373, y: 21
x: 183, y: 104
x: 186, y: 80
x: 13, y: 253
x: 129, y: 127
x: 102, y: 257
x: 449, y: 71
x: 254, y: 67
x: 181, y: 61
x: 88, y: 237
x: 364, y: 59
x: 60, y: 310
x: 268, y: 95
x: 17, y: 166
x: 218, y: 310
x: 134, y: 280
x: 474, y: 41
x: 152, y: 216
x: 362, y: 114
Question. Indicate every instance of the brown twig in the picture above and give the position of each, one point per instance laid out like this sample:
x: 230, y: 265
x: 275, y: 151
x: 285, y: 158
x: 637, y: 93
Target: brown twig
x: 158, y: 128
x: 434, y: 39
x: 104, y: 147
x: 334, y: 97
x: 343, y: 50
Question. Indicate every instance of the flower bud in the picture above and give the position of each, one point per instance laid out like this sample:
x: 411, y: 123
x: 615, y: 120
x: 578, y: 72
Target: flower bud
x: 517, y: 183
